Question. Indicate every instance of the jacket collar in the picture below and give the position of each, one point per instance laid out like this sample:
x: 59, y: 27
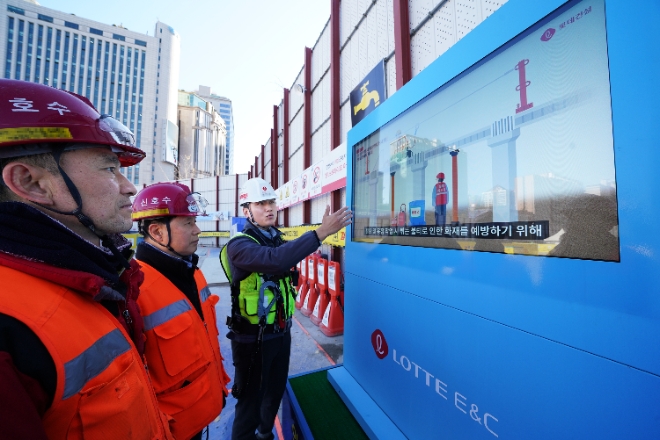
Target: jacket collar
x: 163, y: 261
x: 255, y: 230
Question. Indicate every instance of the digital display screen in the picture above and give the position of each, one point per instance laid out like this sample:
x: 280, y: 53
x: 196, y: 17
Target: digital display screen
x: 515, y: 155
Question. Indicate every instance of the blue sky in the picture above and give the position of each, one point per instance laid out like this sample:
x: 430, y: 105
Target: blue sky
x: 247, y: 51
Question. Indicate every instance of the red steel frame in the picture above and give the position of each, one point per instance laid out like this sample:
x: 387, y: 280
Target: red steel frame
x: 285, y: 149
x: 263, y: 162
x: 402, y: 55
x: 307, y: 129
x: 335, y: 105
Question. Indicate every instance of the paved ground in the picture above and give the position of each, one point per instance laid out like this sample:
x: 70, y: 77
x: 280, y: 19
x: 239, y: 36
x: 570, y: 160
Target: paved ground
x: 310, y: 349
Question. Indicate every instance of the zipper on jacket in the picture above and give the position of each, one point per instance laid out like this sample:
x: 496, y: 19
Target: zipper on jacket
x: 127, y: 316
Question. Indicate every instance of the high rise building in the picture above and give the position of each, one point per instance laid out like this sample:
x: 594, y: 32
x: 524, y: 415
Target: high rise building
x: 128, y: 75
x: 224, y: 107
x: 202, y: 138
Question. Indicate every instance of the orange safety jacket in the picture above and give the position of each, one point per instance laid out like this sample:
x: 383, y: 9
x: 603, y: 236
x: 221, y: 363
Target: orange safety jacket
x: 102, y: 390
x: 183, y: 352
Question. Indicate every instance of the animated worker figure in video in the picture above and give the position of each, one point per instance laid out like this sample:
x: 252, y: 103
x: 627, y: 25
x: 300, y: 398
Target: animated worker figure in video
x: 71, y: 338
x: 258, y: 266
x: 439, y: 199
x: 182, y: 348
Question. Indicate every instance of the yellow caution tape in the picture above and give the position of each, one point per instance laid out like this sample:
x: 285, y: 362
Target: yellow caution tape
x: 293, y: 232
x: 214, y: 234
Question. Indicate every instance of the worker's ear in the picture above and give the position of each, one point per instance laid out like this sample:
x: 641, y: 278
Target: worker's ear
x: 158, y: 232
x: 30, y: 182
x: 246, y: 212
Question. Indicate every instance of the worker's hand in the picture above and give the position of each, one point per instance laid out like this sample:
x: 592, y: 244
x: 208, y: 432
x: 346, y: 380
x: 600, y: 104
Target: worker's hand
x: 333, y: 222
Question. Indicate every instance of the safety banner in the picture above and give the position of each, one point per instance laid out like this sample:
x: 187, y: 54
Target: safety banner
x: 293, y: 232
x: 326, y: 175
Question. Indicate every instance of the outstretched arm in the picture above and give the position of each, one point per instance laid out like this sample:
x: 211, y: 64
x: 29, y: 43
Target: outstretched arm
x: 247, y: 256
x: 332, y: 223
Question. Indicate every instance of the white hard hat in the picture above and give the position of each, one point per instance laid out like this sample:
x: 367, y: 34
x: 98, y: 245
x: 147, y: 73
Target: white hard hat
x: 256, y: 190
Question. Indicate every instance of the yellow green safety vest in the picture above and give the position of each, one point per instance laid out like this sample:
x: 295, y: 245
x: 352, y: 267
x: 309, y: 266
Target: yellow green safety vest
x: 247, y: 294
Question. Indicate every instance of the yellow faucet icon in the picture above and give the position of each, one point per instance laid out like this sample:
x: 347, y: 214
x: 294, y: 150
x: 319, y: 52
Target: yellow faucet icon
x: 367, y: 97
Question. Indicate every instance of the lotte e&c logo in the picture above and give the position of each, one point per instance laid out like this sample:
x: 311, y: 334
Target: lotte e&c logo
x: 379, y: 343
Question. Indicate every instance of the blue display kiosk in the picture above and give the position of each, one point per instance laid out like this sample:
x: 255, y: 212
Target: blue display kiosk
x: 534, y: 311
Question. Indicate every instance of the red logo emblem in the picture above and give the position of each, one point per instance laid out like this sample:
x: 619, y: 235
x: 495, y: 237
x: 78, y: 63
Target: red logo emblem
x: 547, y: 34
x: 264, y: 188
x: 379, y: 343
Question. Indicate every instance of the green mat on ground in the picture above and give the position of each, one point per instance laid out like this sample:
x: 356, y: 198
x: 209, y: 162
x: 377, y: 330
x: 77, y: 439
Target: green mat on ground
x: 325, y: 413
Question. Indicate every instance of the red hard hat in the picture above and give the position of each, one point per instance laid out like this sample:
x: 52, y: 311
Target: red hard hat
x: 34, y: 115
x: 440, y: 176
x: 167, y: 200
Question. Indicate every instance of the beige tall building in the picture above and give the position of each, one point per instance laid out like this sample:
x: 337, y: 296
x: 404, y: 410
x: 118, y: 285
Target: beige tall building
x: 223, y: 106
x: 202, y: 138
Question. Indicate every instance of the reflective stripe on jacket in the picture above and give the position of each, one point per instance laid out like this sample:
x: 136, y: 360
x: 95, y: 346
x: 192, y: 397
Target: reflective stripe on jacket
x: 183, y: 352
x: 248, y: 297
x: 103, y: 390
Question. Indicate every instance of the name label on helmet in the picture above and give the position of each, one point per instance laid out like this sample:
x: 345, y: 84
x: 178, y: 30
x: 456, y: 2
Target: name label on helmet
x: 151, y: 212
x: 34, y: 133
x: 25, y: 105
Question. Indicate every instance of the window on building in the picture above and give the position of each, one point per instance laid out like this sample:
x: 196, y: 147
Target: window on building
x: 56, y: 63
x: 97, y: 76
x: 111, y: 107
x: 127, y: 85
x: 15, y: 10
x: 141, y: 43
x: 118, y: 37
x: 10, y: 43
x: 45, y: 18
x: 19, y: 50
x: 106, y: 57
x: 65, y: 61
x: 71, y: 25
x: 95, y: 31
x: 49, y: 40
x: 140, y: 101
x: 37, y: 67
x: 136, y: 173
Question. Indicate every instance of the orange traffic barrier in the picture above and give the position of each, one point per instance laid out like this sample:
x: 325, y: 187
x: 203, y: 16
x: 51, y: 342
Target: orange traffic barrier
x: 322, y: 286
x: 332, y: 323
x: 312, y: 293
x: 303, y: 286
